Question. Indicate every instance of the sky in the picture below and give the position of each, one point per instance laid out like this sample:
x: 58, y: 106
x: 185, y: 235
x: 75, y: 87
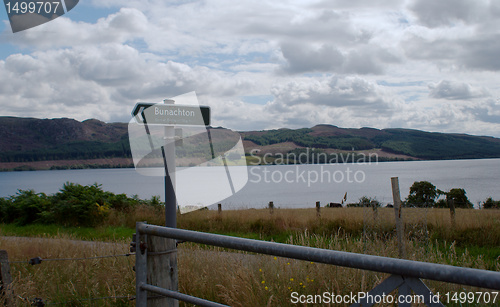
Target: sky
x: 418, y: 64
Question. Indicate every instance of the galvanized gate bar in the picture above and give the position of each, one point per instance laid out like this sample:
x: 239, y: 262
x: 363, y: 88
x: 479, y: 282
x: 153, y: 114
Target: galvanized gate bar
x: 417, y: 269
x: 180, y: 296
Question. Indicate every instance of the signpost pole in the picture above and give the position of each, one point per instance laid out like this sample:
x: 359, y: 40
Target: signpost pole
x: 162, y: 252
x: 170, y: 207
x: 169, y: 152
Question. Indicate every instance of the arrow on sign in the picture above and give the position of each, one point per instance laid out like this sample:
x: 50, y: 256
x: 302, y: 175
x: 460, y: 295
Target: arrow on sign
x: 171, y: 115
x: 139, y: 110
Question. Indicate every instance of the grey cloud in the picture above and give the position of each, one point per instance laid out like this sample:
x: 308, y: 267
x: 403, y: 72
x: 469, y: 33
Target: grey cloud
x: 434, y: 13
x: 481, y: 52
x: 456, y: 91
x: 315, y: 27
x: 327, y: 58
x: 477, y: 53
x: 362, y: 62
x: 303, y: 58
x: 419, y: 48
x: 365, y: 4
x: 487, y: 111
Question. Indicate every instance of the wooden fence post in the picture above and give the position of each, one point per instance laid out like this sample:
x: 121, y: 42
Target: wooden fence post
x: 375, y: 211
x: 6, y: 291
x: 399, y: 218
x: 451, y: 204
x: 271, y: 207
x: 318, y: 209
x: 162, y: 268
x: 219, y: 208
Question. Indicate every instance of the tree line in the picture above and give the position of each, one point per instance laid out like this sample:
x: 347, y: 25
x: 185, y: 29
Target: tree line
x: 424, y: 194
x: 419, y: 144
x: 71, y: 151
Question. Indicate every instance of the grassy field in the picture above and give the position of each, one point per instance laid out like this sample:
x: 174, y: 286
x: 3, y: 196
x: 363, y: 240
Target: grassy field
x: 243, y: 279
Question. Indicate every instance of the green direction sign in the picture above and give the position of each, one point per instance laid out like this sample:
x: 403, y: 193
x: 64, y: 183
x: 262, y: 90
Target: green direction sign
x: 171, y: 114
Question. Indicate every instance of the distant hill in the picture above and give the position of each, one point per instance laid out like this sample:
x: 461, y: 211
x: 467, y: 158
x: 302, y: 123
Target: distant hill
x: 44, y: 143
x: 410, y: 143
x: 31, y: 140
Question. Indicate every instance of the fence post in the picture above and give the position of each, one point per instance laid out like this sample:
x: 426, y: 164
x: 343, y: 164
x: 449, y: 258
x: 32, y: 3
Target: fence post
x: 451, y: 204
x: 162, y: 268
x: 141, y: 267
x: 318, y: 209
x: 6, y: 291
x: 399, y: 218
x: 219, y: 208
x: 271, y: 207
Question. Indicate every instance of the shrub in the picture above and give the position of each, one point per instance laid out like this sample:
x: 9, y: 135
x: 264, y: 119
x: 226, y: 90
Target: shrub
x: 79, y: 205
x: 489, y: 203
x: 366, y: 202
x: 24, y: 208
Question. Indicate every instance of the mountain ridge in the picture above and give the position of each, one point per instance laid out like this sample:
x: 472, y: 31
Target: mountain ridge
x: 29, y: 141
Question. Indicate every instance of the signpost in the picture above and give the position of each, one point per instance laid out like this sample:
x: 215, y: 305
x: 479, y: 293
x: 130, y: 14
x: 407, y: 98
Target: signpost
x: 162, y: 268
x: 171, y: 115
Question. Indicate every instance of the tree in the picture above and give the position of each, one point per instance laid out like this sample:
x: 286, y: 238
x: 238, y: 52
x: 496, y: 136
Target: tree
x: 459, y: 198
x: 491, y: 204
x: 422, y: 194
x: 366, y: 202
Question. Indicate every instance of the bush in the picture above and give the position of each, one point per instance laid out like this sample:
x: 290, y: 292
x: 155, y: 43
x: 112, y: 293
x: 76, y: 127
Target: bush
x: 73, y: 205
x: 24, y: 208
x: 366, y: 202
x: 81, y: 205
x: 489, y: 203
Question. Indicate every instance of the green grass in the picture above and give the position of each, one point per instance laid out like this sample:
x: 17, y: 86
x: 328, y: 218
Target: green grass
x: 248, y: 279
x: 108, y: 233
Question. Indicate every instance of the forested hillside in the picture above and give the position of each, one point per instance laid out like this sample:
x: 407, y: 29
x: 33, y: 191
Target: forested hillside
x: 414, y: 143
x: 30, y: 140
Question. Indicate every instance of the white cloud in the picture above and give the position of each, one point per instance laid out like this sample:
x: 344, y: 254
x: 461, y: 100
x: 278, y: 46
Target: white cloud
x: 453, y: 90
x: 123, y: 26
x: 413, y: 64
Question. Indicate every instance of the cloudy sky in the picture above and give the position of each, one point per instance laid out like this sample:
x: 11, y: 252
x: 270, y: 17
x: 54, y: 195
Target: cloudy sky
x: 421, y: 64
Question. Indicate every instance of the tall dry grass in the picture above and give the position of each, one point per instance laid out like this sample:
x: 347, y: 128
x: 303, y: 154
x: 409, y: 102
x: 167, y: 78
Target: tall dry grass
x: 240, y: 279
x: 69, y: 282
x: 243, y: 279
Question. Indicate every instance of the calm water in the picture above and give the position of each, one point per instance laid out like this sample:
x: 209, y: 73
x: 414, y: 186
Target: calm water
x: 287, y: 185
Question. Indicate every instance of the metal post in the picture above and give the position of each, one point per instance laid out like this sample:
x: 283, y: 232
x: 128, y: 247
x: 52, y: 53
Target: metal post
x: 169, y: 159
x: 162, y: 253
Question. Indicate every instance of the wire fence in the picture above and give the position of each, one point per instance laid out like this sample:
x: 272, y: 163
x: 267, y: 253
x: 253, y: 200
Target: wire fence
x: 40, y: 302
x: 38, y: 260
